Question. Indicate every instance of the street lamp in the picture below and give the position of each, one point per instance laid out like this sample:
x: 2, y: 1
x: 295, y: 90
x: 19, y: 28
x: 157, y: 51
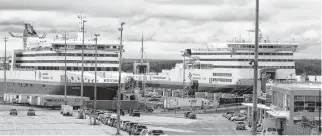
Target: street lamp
x: 119, y: 84
x: 184, y: 72
x: 82, y: 74
x: 254, y: 123
x: 95, y: 86
x: 5, y: 65
x: 65, y: 86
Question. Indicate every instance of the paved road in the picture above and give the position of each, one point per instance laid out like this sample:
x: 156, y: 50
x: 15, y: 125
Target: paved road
x: 176, y: 124
x: 51, y: 122
x: 211, y: 124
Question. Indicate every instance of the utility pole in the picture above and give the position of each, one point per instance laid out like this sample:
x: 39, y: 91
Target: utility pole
x: 119, y: 85
x: 95, y: 86
x: 5, y: 65
x: 184, y: 73
x: 320, y: 111
x: 254, y: 123
x: 144, y: 77
x: 144, y: 70
x: 82, y: 74
x: 65, y: 89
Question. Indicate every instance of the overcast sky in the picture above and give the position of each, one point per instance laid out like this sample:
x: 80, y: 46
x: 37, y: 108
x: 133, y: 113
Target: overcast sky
x: 169, y: 26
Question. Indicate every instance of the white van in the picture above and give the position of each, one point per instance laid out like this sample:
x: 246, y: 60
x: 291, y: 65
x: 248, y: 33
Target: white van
x: 270, y: 131
x: 67, y: 110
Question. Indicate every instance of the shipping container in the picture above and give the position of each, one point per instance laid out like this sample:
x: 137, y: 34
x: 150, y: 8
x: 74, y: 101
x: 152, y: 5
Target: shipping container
x: 22, y: 99
x: 175, y: 103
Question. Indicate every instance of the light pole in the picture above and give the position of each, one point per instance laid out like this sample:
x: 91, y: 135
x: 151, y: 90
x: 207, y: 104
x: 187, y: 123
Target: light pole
x: 95, y: 86
x: 82, y: 74
x: 65, y: 89
x: 119, y: 85
x: 184, y: 72
x: 5, y: 64
x: 254, y: 123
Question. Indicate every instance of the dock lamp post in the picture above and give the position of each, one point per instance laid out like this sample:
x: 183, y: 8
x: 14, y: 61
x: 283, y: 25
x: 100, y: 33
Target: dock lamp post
x: 95, y: 86
x: 184, y: 72
x: 65, y: 69
x: 254, y: 117
x: 5, y: 65
x: 82, y: 74
x: 119, y: 84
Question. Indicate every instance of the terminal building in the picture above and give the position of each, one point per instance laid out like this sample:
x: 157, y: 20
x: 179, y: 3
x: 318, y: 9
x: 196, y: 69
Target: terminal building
x: 287, y: 104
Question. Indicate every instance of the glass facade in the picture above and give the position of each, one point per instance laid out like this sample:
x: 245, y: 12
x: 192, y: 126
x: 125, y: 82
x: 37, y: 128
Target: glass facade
x: 306, y: 103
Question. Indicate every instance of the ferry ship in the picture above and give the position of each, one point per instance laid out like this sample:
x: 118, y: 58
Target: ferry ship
x: 229, y: 68
x: 38, y: 68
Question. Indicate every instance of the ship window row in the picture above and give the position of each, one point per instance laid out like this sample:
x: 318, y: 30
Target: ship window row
x: 222, y: 74
x: 99, y: 47
x: 221, y: 80
x: 260, y: 46
x: 262, y: 60
x: 67, y: 54
x: 68, y: 68
x: 241, y: 53
x: 63, y: 61
x: 210, y: 66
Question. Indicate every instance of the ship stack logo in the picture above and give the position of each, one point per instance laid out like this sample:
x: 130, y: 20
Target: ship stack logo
x: 190, y: 75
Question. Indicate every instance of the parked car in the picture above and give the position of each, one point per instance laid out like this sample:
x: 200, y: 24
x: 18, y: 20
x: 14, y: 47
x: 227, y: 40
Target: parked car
x: 186, y: 114
x: 133, y: 128
x: 129, y: 126
x: 227, y: 113
x: 31, y: 112
x: 115, y: 123
x: 144, y: 132
x: 122, y: 124
x: 155, y: 132
x: 105, y: 120
x: 240, y: 125
x: 239, y: 118
x: 235, y: 116
x: 270, y: 131
x: 110, y: 121
x: 13, y: 112
x: 192, y: 116
x: 138, y: 129
x: 232, y: 115
x: 136, y: 113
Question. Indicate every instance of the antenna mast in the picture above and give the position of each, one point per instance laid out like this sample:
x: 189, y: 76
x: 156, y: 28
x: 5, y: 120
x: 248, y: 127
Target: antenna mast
x: 142, y: 51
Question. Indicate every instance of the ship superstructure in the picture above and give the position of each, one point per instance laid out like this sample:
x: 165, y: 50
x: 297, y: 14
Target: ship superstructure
x: 39, y: 67
x: 231, y: 65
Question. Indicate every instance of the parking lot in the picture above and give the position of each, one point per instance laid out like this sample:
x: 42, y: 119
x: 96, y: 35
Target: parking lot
x: 47, y: 122
x: 51, y: 122
x: 176, y: 124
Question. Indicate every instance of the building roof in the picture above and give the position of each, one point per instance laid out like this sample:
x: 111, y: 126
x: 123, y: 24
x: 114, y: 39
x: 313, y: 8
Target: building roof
x: 279, y: 114
x: 298, y: 88
x: 260, y: 106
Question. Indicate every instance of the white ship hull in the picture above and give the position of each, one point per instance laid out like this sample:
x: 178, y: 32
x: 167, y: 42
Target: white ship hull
x: 52, y: 82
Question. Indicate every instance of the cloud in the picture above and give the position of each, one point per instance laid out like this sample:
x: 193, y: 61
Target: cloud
x: 169, y: 25
x: 200, y: 2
